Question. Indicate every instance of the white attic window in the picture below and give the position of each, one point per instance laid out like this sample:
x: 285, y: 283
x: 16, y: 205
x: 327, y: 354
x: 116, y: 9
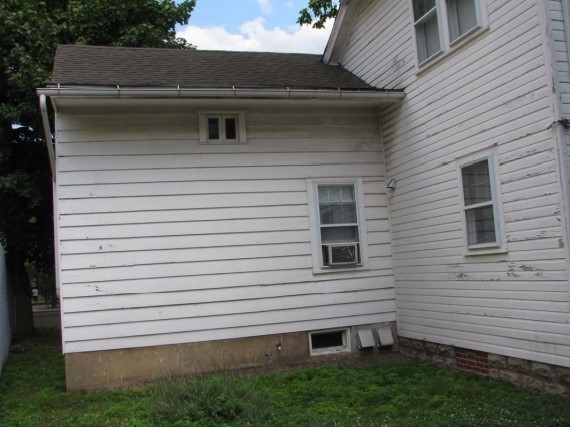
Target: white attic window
x: 441, y: 25
x: 222, y: 127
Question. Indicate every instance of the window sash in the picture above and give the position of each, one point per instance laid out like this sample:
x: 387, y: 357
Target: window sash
x: 428, y: 38
x: 479, y: 216
x: 219, y: 132
x: 461, y: 17
x: 439, y: 24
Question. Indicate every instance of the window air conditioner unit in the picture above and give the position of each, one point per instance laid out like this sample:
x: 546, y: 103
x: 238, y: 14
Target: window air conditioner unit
x: 341, y: 253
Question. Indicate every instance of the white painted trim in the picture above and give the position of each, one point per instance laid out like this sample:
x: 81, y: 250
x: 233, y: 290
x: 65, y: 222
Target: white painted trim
x: 315, y: 226
x: 558, y: 131
x: 566, y: 15
x: 56, y: 241
x: 341, y: 31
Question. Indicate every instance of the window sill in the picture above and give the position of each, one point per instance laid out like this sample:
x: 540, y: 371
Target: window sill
x: 454, y: 47
x: 223, y: 143
x: 487, y: 251
x: 347, y: 269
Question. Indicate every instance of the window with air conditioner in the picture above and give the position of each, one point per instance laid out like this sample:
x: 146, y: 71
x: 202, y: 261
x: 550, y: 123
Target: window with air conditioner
x: 337, y: 224
x: 441, y: 24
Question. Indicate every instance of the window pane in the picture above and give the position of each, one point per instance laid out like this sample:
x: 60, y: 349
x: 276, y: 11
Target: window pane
x: 461, y: 16
x: 213, y: 128
x: 339, y: 234
x: 480, y: 225
x: 230, y: 123
x: 338, y: 213
x: 421, y: 7
x: 427, y: 38
x: 476, y: 183
x: 337, y: 204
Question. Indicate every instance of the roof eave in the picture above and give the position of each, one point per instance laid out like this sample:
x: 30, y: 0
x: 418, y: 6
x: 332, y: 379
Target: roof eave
x: 223, y: 93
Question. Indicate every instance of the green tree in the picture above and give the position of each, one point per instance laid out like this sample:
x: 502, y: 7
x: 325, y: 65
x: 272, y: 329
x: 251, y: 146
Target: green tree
x: 318, y: 12
x: 29, y: 33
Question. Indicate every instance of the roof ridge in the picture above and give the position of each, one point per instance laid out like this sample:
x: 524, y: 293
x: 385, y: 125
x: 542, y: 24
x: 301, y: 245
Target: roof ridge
x: 167, y: 49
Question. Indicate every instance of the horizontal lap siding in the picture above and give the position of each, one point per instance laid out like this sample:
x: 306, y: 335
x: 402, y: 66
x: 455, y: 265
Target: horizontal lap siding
x: 165, y: 241
x: 490, y: 93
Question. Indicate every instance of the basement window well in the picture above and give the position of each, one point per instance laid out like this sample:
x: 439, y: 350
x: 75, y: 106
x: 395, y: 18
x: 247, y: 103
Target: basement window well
x: 328, y: 342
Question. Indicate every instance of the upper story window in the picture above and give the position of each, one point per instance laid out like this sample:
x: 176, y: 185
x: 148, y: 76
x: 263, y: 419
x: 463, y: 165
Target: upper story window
x: 337, y: 224
x: 439, y: 24
x: 225, y: 127
x: 481, y: 208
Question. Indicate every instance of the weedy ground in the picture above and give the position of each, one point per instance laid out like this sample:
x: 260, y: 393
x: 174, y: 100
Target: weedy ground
x: 32, y: 393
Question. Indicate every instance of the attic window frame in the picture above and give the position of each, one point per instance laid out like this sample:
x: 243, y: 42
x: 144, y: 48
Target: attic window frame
x: 448, y: 42
x: 221, y: 115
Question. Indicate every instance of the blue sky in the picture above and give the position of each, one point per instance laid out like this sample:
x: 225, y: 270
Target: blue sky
x: 232, y: 13
x: 254, y: 25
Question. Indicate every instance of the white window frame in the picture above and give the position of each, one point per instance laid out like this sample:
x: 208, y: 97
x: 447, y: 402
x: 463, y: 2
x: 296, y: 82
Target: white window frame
x: 499, y: 245
x: 240, y: 117
x: 446, y: 44
x: 315, y: 224
x: 344, y: 348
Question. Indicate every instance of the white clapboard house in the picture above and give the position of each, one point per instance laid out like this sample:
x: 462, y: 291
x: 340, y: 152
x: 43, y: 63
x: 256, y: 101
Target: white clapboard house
x: 229, y: 209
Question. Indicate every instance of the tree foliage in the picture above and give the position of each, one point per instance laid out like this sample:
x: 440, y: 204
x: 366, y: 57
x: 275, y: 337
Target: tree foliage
x: 29, y: 33
x: 318, y: 12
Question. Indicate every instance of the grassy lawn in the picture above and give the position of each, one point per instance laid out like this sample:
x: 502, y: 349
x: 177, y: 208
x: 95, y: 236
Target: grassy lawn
x: 32, y: 394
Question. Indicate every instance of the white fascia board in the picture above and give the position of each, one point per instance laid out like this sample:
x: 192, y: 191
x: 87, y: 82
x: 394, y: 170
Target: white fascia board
x: 341, y: 31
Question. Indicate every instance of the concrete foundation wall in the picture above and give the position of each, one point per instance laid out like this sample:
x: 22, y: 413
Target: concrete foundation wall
x: 542, y: 377
x: 128, y: 367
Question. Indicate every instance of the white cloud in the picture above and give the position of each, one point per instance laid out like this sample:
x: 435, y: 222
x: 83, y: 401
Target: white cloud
x: 290, y: 4
x: 253, y: 36
x: 265, y: 6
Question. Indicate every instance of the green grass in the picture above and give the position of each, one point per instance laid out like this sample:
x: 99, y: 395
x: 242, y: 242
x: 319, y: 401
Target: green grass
x: 32, y: 394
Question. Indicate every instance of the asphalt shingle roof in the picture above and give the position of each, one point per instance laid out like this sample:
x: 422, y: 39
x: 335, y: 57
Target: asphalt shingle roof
x: 145, y: 67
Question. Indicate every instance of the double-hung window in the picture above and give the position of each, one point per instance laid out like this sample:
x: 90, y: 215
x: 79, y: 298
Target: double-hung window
x: 337, y: 224
x: 481, y: 211
x: 439, y: 24
x: 428, y: 37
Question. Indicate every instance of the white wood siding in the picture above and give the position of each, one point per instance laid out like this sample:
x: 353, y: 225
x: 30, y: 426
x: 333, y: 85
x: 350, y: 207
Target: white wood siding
x: 491, y: 92
x: 164, y: 240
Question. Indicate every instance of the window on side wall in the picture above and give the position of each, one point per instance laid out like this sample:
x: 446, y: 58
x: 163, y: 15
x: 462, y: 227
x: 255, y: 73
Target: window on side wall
x: 337, y: 225
x: 482, y: 215
x: 222, y: 127
x: 439, y: 24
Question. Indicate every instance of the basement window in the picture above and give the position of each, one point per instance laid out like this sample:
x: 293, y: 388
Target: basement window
x: 328, y: 342
x: 227, y: 127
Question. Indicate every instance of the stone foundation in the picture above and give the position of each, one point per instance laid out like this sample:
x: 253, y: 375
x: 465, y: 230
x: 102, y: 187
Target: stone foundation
x: 537, y: 376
